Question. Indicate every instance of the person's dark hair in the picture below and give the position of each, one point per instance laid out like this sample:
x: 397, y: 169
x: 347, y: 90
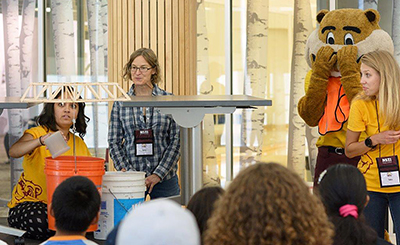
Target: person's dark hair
x: 75, y: 204
x: 201, y: 204
x: 150, y: 57
x: 47, y: 119
x: 344, y: 184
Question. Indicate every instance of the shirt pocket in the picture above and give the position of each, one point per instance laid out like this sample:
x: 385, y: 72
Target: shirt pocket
x: 160, y: 123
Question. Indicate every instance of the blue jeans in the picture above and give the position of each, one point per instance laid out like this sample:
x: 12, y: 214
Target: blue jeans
x: 165, y: 188
x: 376, y: 209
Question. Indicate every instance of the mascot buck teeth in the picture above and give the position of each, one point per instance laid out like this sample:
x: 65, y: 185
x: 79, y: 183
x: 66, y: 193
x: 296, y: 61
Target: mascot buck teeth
x: 333, y: 52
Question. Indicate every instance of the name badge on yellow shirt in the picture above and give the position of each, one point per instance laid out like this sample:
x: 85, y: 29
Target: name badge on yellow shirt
x: 144, y: 142
x: 388, y: 168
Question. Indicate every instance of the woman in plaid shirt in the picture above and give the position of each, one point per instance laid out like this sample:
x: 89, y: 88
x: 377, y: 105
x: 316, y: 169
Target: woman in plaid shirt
x: 141, y: 138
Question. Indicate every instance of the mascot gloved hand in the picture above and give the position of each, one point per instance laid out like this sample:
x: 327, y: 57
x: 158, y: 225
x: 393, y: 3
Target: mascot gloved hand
x: 333, y: 52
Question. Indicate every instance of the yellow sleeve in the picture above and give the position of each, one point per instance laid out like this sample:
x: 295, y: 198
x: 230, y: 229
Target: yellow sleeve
x: 356, y: 121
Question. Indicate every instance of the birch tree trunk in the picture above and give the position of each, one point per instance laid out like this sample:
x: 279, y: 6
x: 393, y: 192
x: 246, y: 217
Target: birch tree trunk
x: 104, y: 17
x: 63, y: 36
x: 302, y: 28
x: 13, y: 82
x: 372, y: 4
x: 256, y: 79
x: 26, y: 43
x: 96, y: 37
x: 312, y: 136
x: 396, y: 30
x: 210, y: 166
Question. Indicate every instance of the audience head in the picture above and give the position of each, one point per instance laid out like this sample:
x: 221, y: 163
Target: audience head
x: 202, y: 204
x: 156, y: 222
x: 48, y: 119
x: 151, y: 59
x: 343, y: 192
x: 75, y: 204
x: 268, y: 204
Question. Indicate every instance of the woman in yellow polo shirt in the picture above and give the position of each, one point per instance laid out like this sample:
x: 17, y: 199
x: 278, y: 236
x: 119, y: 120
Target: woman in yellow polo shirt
x: 28, y: 205
x: 376, y: 112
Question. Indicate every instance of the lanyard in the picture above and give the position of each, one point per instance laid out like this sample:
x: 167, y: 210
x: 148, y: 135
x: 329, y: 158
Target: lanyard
x: 379, y: 129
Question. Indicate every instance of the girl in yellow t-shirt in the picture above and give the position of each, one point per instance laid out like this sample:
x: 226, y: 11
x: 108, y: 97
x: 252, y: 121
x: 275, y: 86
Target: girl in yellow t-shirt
x: 377, y: 113
x: 28, y: 205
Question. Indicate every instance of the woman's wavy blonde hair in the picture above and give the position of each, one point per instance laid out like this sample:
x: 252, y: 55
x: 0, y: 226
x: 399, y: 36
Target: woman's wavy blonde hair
x: 389, y: 88
x: 150, y: 57
x: 268, y: 204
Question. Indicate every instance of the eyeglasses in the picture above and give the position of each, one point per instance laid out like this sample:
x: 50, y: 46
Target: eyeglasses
x: 142, y: 69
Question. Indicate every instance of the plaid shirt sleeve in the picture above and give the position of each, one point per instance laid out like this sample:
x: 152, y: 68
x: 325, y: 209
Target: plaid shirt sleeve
x: 115, y: 138
x: 171, y: 154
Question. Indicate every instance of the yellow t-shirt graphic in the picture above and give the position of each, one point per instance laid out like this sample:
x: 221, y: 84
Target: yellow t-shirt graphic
x: 31, y: 186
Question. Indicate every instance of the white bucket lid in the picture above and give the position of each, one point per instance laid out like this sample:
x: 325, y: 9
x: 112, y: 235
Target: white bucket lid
x: 124, y: 176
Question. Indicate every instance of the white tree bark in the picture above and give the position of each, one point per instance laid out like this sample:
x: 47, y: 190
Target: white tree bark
x: 371, y: 4
x: 97, y: 73
x: 26, y: 43
x: 312, y: 136
x: 13, y: 82
x: 396, y: 30
x: 256, y: 78
x: 104, y: 17
x: 63, y: 35
x: 302, y: 28
x: 210, y: 166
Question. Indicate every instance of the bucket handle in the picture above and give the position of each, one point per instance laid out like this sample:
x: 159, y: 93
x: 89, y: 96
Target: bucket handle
x: 122, y: 205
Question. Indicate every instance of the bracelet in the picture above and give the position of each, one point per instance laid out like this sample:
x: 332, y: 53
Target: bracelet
x: 40, y: 140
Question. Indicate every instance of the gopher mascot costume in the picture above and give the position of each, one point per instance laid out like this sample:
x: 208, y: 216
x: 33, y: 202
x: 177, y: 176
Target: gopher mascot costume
x: 333, y: 52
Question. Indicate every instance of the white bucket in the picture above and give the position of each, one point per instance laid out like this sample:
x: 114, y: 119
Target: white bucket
x: 121, y: 193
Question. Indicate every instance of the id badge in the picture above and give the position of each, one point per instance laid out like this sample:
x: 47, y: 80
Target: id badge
x: 388, y: 168
x: 144, y: 142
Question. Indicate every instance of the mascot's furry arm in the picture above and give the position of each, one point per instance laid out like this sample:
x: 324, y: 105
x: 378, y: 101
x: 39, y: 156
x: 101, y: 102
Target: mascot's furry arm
x: 349, y: 68
x: 311, y: 106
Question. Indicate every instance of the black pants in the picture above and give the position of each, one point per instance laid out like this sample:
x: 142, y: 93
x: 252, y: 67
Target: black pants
x: 31, y: 217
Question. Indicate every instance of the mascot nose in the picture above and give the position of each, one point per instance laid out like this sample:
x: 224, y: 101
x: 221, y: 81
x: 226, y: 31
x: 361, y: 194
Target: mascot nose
x: 334, y: 53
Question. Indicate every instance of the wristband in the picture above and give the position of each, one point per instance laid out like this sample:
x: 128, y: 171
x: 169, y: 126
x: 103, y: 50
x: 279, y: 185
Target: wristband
x: 40, y: 140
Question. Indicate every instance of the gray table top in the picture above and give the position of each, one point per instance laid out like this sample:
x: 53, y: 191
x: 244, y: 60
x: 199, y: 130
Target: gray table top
x: 14, y: 103
x: 238, y: 101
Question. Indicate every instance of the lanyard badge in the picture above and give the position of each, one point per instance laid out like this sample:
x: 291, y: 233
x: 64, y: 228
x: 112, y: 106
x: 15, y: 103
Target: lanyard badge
x: 388, y: 168
x: 144, y: 142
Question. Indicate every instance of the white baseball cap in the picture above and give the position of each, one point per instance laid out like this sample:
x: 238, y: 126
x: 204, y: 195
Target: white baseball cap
x: 159, y: 222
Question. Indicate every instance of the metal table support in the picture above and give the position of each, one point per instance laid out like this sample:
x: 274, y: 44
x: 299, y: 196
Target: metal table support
x: 188, y: 111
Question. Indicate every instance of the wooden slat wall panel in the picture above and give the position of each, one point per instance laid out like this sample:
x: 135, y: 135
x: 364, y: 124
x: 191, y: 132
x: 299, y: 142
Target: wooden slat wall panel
x: 181, y: 31
x: 166, y: 26
x: 168, y: 45
x: 175, y: 47
x: 125, y: 39
x: 161, y: 37
x: 146, y: 24
x: 153, y: 26
x: 138, y: 24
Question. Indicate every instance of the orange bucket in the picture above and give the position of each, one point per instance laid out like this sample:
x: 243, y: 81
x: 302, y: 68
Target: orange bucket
x: 61, y: 168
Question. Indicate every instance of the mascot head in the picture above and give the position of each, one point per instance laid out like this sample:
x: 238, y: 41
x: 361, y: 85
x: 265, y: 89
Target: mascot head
x: 348, y: 27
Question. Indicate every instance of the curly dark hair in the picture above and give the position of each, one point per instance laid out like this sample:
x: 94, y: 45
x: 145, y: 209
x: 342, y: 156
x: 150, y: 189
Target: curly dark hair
x: 345, y: 184
x: 150, y: 57
x: 47, y: 119
x: 268, y: 204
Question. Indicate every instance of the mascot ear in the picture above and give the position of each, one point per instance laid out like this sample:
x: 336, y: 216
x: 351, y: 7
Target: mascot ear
x: 321, y: 15
x: 372, y: 15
